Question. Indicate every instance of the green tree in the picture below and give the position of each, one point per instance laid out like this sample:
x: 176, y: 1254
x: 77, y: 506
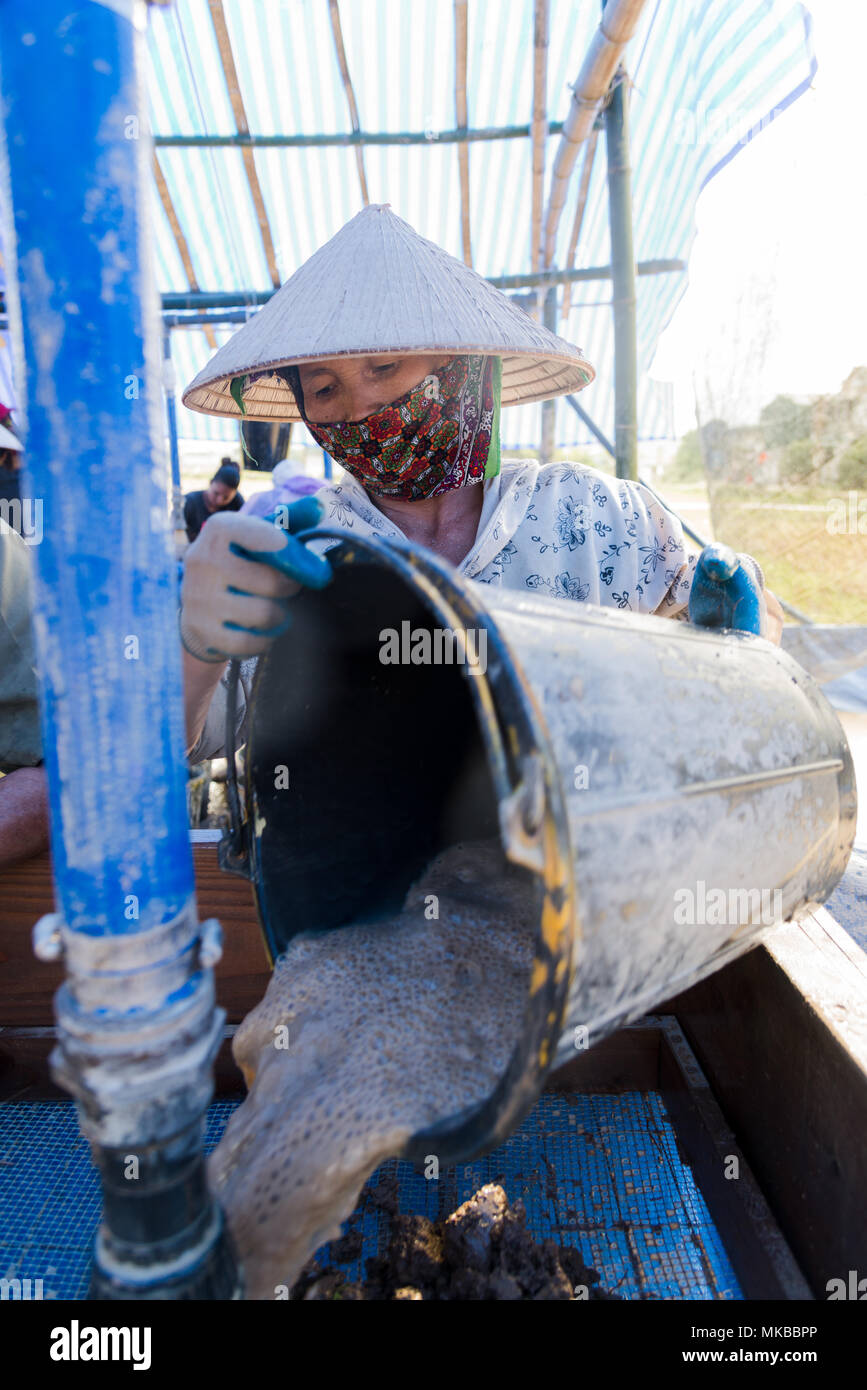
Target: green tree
x: 783, y: 422
x: 852, y: 468
x: 797, y: 461
x: 687, y: 466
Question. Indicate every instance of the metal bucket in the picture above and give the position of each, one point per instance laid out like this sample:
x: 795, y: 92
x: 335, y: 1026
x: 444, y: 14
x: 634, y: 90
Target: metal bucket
x: 635, y: 767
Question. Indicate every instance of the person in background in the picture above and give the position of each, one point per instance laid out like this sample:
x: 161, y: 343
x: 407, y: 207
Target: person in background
x: 10, y: 459
x: 288, y: 487
x: 221, y: 495
x: 23, y: 790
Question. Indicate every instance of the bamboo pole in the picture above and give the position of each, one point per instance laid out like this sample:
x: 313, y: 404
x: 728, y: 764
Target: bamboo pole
x: 586, y: 170
x: 180, y: 239
x: 618, y: 24
x: 549, y: 408
x: 337, y: 31
x: 539, y: 126
x: 227, y: 59
x: 461, y: 119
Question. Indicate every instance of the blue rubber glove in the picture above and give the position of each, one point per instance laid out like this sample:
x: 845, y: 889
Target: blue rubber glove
x: 240, y: 576
x: 724, y: 594
x: 295, y: 560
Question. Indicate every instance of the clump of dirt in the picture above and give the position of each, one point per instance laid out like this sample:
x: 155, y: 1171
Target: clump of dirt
x: 482, y: 1251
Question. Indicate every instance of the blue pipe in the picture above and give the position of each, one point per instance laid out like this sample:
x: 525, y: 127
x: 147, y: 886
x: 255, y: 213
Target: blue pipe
x: 106, y: 594
x: 106, y: 636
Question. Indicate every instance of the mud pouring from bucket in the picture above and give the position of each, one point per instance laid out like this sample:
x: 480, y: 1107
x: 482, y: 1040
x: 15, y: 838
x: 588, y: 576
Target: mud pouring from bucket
x: 604, y: 808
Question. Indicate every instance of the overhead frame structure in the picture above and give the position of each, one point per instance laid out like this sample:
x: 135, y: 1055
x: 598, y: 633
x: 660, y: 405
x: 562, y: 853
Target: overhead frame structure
x: 621, y: 17
x: 358, y: 58
x: 295, y: 134
x: 458, y: 136
x: 355, y: 55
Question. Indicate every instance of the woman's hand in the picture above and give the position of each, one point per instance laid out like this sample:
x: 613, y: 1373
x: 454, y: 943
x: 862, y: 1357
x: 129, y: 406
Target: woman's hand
x: 238, y: 578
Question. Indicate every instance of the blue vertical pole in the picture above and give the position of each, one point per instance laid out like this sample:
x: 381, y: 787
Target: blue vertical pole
x: 137, y: 1023
x: 327, y: 464
x: 172, y: 422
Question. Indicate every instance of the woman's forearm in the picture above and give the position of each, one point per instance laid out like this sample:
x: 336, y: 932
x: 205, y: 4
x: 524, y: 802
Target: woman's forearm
x: 23, y: 815
x: 201, y: 679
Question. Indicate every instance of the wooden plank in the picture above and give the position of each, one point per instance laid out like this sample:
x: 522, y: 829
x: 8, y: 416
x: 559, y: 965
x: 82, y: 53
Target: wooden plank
x: 27, y: 986
x: 762, y: 1261
x: 626, y: 1061
x: 781, y: 1034
x: 24, y: 1071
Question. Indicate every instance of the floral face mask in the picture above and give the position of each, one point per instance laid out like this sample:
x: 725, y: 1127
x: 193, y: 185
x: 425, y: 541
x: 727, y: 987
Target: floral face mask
x: 442, y: 434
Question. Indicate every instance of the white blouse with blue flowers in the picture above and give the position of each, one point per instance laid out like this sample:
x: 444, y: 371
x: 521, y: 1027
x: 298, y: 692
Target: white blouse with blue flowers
x: 563, y: 529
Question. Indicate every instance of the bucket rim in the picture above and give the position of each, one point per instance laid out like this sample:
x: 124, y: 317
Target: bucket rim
x: 516, y: 740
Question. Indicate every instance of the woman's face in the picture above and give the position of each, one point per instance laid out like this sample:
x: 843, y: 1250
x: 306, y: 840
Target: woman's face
x: 351, y: 388
x: 220, y: 494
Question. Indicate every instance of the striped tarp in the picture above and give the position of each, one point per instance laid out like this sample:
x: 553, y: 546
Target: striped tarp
x: 706, y: 76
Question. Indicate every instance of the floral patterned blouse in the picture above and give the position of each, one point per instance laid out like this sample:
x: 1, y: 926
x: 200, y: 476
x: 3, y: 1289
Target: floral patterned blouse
x: 563, y: 529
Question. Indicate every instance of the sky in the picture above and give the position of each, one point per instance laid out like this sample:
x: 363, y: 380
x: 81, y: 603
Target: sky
x: 777, y: 296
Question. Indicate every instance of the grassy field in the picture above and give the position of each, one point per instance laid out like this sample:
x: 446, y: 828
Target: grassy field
x: 787, y: 530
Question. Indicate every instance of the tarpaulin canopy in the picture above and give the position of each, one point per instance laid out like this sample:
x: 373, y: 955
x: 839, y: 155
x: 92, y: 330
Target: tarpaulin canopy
x: 704, y: 77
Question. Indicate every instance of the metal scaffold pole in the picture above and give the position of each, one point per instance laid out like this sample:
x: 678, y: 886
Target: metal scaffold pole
x: 172, y: 423
x: 623, y: 277
x: 549, y: 408
x: 137, y: 1025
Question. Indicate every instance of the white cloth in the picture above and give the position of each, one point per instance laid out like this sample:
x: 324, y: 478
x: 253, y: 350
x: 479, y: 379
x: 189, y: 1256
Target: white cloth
x: 564, y: 529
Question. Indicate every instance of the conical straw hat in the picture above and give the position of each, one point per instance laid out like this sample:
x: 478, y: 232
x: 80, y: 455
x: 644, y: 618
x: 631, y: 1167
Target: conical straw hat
x: 379, y: 287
